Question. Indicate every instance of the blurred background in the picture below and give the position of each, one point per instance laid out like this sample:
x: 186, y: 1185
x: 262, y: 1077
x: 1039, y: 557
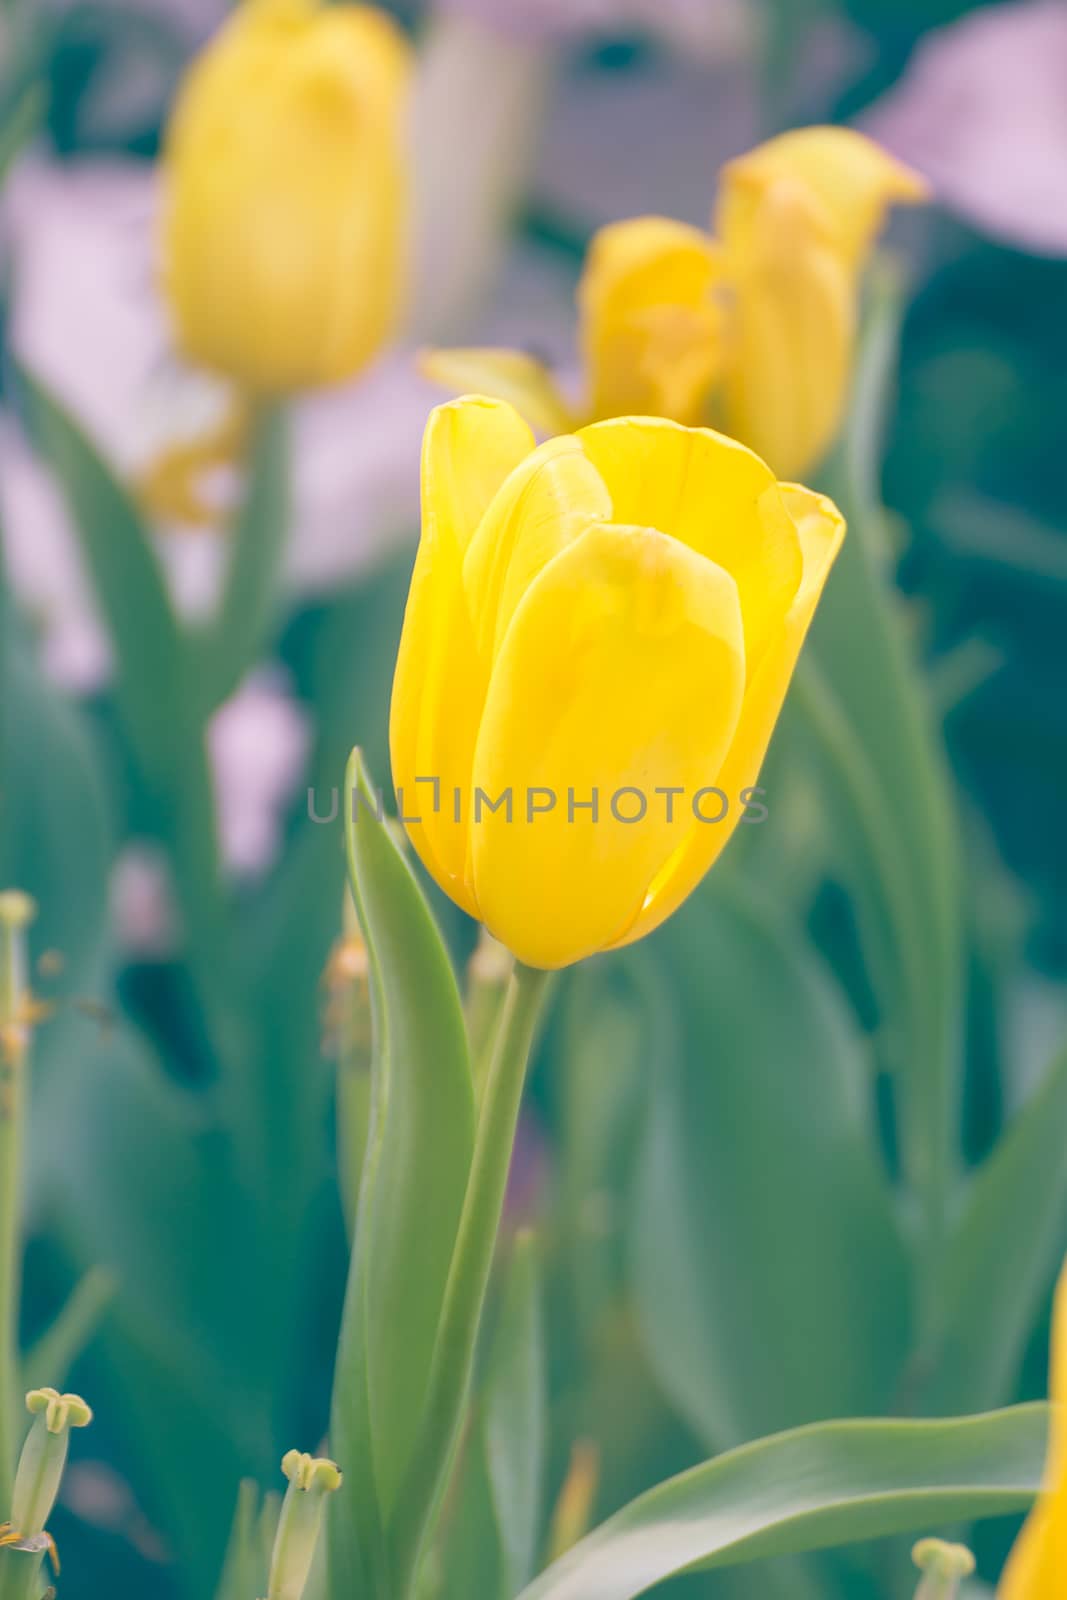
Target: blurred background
x: 211, y: 1310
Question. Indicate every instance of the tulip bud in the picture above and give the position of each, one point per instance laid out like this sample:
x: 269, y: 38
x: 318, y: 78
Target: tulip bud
x: 943, y: 1566
x: 311, y: 1479
x: 797, y: 218
x: 286, y: 195
x: 44, y: 1455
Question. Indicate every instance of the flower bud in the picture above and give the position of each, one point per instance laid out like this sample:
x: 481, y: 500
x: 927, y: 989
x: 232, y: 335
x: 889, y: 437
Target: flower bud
x: 286, y: 199
x: 44, y: 1455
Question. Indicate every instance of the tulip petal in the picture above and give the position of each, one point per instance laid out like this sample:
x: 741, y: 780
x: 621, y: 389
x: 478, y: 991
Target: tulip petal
x: 1038, y: 1562
x: 714, y: 495
x: 623, y: 668
x: 850, y: 177
x: 794, y: 329
x: 511, y: 375
x: 470, y: 448
x: 550, y: 498
x: 650, y: 326
x: 821, y: 529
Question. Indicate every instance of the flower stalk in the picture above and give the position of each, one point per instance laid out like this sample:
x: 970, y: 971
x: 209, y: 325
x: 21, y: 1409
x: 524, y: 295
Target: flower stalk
x: 26, y: 1539
x: 943, y: 1567
x: 17, y: 911
x: 311, y: 1479
x: 471, y: 1264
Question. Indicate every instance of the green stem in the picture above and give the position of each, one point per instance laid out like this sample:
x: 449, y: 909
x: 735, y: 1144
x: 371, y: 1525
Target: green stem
x: 20, y: 1574
x: 15, y: 912
x: 469, y: 1276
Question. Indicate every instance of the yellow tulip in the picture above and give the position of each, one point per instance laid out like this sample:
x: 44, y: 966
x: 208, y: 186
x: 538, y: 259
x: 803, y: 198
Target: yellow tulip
x: 754, y: 326
x: 1037, y: 1567
x: 286, y: 209
x: 797, y: 218
x: 600, y: 631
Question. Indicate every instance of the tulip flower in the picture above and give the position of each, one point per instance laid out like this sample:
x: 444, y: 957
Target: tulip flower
x: 599, y: 637
x: 1037, y: 1566
x: 753, y: 328
x: 286, y: 186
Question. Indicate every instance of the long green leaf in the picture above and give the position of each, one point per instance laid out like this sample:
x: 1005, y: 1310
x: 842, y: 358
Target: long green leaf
x: 831, y: 1484
x: 155, y: 677
x: 250, y: 595
x: 758, y: 1131
x: 861, y: 646
x: 127, y: 578
x: 415, y: 1178
x: 1004, y: 1255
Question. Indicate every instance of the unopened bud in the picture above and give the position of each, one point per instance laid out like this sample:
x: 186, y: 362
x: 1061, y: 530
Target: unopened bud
x: 311, y: 1479
x: 44, y: 1455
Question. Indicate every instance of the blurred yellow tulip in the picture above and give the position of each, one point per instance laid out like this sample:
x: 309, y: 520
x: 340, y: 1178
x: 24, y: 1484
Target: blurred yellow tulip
x: 286, y: 206
x: 599, y: 637
x: 754, y: 327
x: 1037, y: 1566
x: 797, y: 218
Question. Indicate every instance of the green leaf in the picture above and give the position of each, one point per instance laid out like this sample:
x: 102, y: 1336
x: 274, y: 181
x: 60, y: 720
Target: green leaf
x: 415, y: 1178
x: 155, y: 681
x: 127, y: 578
x: 1004, y: 1254
x: 55, y: 829
x: 760, y: 1149
x: 247, y: 1564
x: 514, y: 1405
x: 860, y: 644
x: 49, y: 1360
x: 192, y: 1383
x: 470, y: 1560
x: 609, y: 1027
x: 815, y: 1488
x: 250, y: 595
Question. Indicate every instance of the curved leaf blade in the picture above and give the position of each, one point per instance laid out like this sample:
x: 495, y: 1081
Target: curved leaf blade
x: 257, y: 546
x: 831, y: 1484
x: 1005, y: 1252
x: 830, y: 1299
x: 415, y: 1177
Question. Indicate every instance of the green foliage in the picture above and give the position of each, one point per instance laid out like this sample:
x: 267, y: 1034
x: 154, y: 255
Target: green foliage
x: 819, y: 1486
